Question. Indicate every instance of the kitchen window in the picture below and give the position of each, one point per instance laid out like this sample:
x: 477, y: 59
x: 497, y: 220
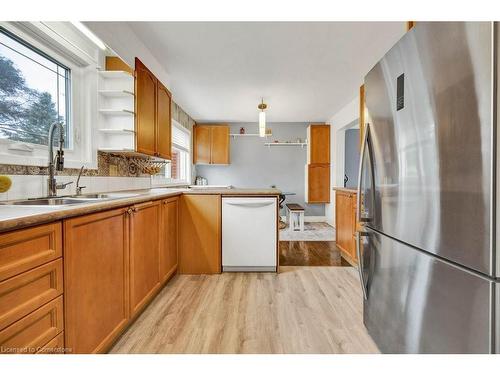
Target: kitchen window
x: 48, y: 73
x: 34, y: 92
x: 178, y: 171
x: 181, y: 156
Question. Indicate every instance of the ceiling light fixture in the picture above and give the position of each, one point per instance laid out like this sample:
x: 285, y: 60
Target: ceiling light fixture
x: 89, y: 34
x: 262, y: 118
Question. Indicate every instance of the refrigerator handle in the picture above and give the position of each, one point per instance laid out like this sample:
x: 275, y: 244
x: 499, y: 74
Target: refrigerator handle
x: 364, y: 284
x: 364, y: 148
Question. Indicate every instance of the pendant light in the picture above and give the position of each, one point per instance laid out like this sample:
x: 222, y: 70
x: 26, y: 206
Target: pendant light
x: 262, y: 118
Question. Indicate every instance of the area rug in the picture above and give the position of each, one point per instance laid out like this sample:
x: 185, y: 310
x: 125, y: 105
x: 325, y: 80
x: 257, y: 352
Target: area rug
x: 312, y: 232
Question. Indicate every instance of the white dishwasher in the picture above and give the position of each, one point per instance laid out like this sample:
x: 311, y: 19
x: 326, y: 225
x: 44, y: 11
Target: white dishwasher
x: 249, y: 240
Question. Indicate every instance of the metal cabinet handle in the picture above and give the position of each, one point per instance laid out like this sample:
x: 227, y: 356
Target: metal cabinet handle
x: 129, y: 211
x: 361, y: 263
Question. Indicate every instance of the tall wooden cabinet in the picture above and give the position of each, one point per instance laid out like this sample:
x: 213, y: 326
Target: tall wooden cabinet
x: 152, y: 114
x: 211, y: 144
x: 144, y: 253
x: 318, y: 164
x: 200, y: 234
x: 96, y: 278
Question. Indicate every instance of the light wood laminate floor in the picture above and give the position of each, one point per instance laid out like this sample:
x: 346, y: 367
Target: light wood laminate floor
x: 300, y: 310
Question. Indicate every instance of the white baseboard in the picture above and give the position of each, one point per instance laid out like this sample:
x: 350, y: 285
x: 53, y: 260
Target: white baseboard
x: 311, y: 219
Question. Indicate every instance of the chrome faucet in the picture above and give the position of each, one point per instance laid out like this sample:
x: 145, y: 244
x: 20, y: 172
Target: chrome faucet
x: 56, y: 163
x: 78, y: 187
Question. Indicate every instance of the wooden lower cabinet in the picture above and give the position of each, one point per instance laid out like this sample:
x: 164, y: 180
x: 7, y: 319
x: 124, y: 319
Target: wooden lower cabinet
x: 345, y: 222
x: 29, y: 334
x: 23, y: 249
x: 24, y: 293
x: 54, y: 346
x: 96, y: 279
x: 169, y: 238
x: 200, y: 234
x: 144, y: 254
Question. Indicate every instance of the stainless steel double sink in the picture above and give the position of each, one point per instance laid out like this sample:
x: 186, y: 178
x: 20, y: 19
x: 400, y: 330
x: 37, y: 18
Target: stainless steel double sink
x: 70, y: 200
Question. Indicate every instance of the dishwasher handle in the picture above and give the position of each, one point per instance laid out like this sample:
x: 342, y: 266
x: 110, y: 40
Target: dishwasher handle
x: 250, y: 204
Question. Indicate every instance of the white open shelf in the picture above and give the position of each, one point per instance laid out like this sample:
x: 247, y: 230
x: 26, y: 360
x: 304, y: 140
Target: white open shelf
x: 275, y: 144
x: 248, y: 135
x: 117, y: 131
x: 115, y: 74
x: 116, y: 93
x: 117, y: 112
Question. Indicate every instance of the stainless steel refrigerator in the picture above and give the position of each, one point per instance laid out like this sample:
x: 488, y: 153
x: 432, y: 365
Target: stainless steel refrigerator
x: 428, y: 192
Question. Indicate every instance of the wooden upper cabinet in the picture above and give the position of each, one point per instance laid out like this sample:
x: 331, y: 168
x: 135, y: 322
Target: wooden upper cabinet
x: 164, y: 122
x: 220, y: 145
x: 153, y: 114
x: 211, y: 144
x: 145, y: 109
x: 168, y: 238
x: 319, y: 144
x: 201, y: 144
x: 144, y: 254
x: 318, y: 180
x: 96, y: 279
x: 200, y: 234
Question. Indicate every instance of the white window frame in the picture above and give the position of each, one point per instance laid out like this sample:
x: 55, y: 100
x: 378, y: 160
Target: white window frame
x: 83, y: 101
x: 158, y: 180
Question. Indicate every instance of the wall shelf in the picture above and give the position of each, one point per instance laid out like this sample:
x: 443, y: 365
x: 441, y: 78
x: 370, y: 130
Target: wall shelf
x: 275, y: 144
x: 117, y: 131
x: 114, y: 74
x: 248, y: 135
x: 116, y: 93
x: 116, y: 112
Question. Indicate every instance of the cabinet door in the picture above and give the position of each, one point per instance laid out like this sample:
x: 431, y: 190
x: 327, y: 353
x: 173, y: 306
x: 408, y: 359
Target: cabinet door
x: 340, y: 211
x: 319, y: 183
x: 319, y: 144
x: 168, y: 239
x: 96, y: 279
x: 164, y: 123
x: 145, y: 109
x: 219, y: 145
x: 202, y: 144
x: 200, y: 234
x: 144, y: 254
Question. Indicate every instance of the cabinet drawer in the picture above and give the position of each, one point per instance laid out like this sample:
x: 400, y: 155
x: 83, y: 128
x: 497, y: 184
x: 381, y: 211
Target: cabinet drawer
x: 35, y: 330
x: 24, y: 249
x: 26, y: 292
x: 54, y: 346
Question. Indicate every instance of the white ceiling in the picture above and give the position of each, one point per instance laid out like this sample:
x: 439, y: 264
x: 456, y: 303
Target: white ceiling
x: 304, y: 71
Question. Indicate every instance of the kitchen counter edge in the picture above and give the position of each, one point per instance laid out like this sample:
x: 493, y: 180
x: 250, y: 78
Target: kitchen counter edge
x: 24, y: 220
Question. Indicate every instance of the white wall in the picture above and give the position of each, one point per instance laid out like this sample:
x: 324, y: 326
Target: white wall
x: 121, y: 39
x: 338, y: 124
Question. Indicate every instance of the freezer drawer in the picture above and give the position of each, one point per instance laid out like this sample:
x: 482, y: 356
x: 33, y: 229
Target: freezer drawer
x: 417, y: 303
x: 249, y: 234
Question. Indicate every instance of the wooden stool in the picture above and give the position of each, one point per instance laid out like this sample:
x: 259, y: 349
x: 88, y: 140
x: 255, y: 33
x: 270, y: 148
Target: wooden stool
x: 295, y: 213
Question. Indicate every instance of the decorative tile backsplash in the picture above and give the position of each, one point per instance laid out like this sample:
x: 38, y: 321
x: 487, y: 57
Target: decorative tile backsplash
x: 108, y: 166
